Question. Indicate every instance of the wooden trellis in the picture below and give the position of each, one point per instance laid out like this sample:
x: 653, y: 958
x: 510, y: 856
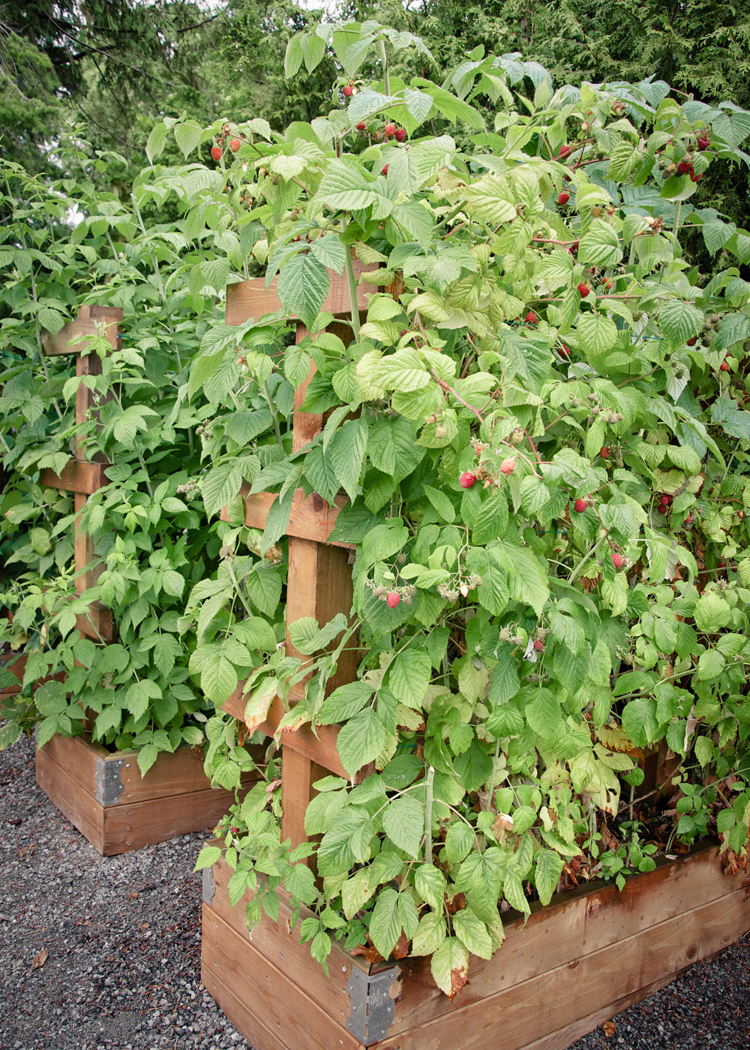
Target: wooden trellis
x: 81, y: 476
x: 319, y: 582
x: 103, y: 794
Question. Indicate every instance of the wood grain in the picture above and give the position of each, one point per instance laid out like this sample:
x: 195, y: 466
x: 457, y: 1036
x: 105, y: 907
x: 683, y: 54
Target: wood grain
x: 239, y: 1013
x: 65, y: 792
x: 72, y: 338
x: 77, y: 476
x: 320, y: 749
x: 77, y: 757
x: 16, y: 664
x: 252, y: 978
x: 128, y: 827
x: 171, y: 774
x: 575, y: 925
x: 310, y: 518
x: 273, y: 941
x: 542, y: 1005
x: 247, y: 299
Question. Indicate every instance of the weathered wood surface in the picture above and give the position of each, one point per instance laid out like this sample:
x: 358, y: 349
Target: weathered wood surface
x: 73, y: 338
x: 247, y: 299
x: 174, y: 798
x: 310, y: 518
x: 275, y: 943
x: 16, y: 664
x: 576, y: 924
x: 533, y: 1009
x: 266, y: 991
x: 78, y: 476
x: 65, y: 791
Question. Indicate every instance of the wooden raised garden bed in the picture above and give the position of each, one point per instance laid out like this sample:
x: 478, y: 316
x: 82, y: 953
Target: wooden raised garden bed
x: 114, y: 807
x: 587, y: 956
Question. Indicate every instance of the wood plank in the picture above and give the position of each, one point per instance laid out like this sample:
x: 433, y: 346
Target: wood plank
x: 16, y: 664
x: 541, y: 1006
x: 574, y: 925
x: 247, y: 299
x: 73, y: 338
x: 310, y: 518
x: 243, y: 1019
x: 273, y: 941
x: 128, y: 827
x: 77, y: 756
x: 284, y: 1007
x: 171, y: 774
x: 320, y: 749
x: 565, y: 1037
x: 81, y: 809
x: 77, y: 476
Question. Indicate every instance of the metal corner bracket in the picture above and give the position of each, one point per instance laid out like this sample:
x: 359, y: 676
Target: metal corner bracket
x: 109, y: 785
x: 208, y: 886
x: 373, y: 1008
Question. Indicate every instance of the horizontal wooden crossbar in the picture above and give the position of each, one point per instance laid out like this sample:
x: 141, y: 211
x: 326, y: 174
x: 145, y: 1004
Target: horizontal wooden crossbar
x: 252, y: 299
x: 311, y: 518
x: 320, y: 749
x: 77, y: 476
x: 73, y: 337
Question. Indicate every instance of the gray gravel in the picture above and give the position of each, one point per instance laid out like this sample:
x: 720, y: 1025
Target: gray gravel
x: 123, y: 937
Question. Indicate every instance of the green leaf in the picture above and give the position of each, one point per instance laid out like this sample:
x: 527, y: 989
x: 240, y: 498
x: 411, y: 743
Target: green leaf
x: 639, y: 721
x: 385, y: 924
x: 711, y: 613
x: 680, y: 321
x: 299, y: 881
x: 303, y: 287
x: 596, y: 333
x: 219, y: 679
x: 543, y: 713
x: 430, y: 884
x: 704, y: 750
x: 220, y: 487
x: 547, y: 871
x: 459, y: 841
x: 147, y: 755
x: 187, y: 136
x: 409, y: 676
x: 207, y: 857
x: 403, y: 823
x: 344, y: 187
x: 491, y: 200
x: 599, y: 246
x: 450, y: 966
x: 441, y: 503
x: 710, y: 665
x: 430, y: 933
x: 360, y: 741
x: 472, y: 933
x: 346, y: 454
x: 345, y: 702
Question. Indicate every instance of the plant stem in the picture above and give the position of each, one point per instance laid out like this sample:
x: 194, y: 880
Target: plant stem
x: 239, y: 593
x: 274, y: 413
x: 583, y: 561
x: 384, y: 60
x: 351, y: 282
x: 491, y: 792
x: 429, y: 786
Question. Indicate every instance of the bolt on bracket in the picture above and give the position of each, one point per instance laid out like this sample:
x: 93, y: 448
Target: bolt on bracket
x: 109, y: 785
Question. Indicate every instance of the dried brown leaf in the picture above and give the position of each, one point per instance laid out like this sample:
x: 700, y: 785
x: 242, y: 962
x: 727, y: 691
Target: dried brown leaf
x: 40, y: 959
x: 608, y: 1028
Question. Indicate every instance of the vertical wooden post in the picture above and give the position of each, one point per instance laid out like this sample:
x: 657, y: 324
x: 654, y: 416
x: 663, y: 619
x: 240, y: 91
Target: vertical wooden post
x: 321, y: 587
x: 91, y: 364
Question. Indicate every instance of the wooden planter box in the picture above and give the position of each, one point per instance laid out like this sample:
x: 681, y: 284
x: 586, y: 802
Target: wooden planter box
x: 16, y: 664
x: 114, y: 807
x: 586, y: 957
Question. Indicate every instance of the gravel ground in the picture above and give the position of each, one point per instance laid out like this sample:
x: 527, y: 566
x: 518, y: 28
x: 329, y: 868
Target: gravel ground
x: 123, y: 941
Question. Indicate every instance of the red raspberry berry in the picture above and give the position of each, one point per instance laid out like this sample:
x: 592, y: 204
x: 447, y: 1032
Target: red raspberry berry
x: 688, y: 520
x: 400, y: 134
x: 467, y: 479
x: 617, y: 560
x: 538, y: 645
x: 704, y: 141
x: 724, y: 366
x: 234, y: 145
x: 607, y: 283
x: 564, y: 151
x: 390, y: 130
x: 216, y: 152
x: 693, y: 341
x: 580, y: 506
x: 696, y: 178
x: 684, y: 167
x: 392, y: 599
x: 604, y: 452
x: 584, y: 289
x: 565, y: 350
x: 361, y: 126
x: 507, y: 466
x: 348, y: 89
x: 385, y: 170
x: 531, y: 317
x: 563, y: 198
